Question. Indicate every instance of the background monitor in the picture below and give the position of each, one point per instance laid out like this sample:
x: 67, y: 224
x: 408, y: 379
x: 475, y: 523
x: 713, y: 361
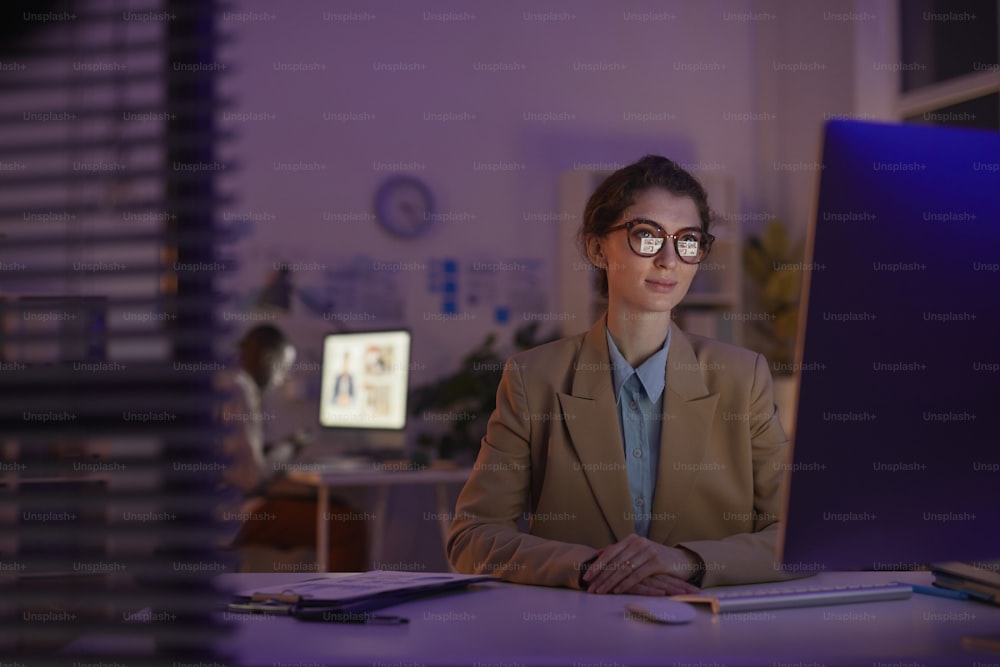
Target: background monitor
x: 365, y: 380
x: 897, y: 439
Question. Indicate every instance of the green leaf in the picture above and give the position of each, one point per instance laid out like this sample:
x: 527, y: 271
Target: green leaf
x: 756, y: 262
x: 782, y: 287
x: 775, y: 240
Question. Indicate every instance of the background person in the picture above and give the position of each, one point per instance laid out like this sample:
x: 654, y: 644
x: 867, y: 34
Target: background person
x: 274, y: 511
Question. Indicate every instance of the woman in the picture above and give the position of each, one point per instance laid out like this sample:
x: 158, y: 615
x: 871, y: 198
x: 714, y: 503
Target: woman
x: 651, y: 460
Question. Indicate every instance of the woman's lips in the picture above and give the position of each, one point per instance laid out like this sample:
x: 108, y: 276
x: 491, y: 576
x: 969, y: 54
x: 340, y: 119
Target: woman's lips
x: 661, y: 285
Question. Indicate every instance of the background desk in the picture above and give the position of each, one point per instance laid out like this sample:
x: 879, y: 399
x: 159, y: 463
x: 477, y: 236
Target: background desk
x: 381, y: 480
x: 508, y: 625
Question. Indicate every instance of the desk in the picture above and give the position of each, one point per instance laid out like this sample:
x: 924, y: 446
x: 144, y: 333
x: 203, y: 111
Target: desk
x: 509, y: 625
x: 324, y: 480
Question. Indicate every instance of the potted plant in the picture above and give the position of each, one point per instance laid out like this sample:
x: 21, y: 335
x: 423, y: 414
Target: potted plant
x: 774, y: 265
x: 465, y: 399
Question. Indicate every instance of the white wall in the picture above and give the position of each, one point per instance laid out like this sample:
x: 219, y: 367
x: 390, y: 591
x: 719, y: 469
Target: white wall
x: 691, y: 65
x: 724, y: 81
x: 813, y: 64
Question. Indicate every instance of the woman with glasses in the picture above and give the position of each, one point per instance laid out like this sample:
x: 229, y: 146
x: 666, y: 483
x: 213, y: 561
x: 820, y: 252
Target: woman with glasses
x: 644, y: 460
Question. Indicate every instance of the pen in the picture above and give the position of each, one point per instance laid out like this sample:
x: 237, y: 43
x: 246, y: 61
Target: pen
x: 386, y: 620
x: 328, y: 615
x: 266, y: 607
x: 939, y: 592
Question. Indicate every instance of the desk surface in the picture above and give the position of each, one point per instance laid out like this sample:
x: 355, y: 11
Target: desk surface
x: 316, y: 474
x: 508, y: 625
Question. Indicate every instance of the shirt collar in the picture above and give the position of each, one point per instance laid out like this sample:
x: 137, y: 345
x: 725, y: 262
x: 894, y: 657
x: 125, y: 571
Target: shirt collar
x: 650, y: 372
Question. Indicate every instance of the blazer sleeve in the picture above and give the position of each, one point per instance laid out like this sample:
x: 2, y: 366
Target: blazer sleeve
x: 752, y: 557
x: 485, y: 538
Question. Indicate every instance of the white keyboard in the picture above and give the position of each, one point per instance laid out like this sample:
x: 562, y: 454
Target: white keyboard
x: 781, y: 598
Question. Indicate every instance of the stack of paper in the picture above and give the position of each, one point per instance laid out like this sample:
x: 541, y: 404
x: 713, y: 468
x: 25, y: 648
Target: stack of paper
x: 980, y: 579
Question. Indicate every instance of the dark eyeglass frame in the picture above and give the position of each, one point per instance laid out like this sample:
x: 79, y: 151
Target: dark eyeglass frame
x: 707, y: 243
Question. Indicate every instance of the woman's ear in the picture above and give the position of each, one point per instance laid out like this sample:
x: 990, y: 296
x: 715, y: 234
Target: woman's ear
x: 595, y: 252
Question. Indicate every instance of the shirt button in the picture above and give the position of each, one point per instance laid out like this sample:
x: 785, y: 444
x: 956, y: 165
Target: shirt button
x: 639, y: 502
x: 637, y: 453
x: 633, y: 405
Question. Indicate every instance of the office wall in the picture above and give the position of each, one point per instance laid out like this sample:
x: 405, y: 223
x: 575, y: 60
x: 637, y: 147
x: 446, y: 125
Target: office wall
x: 488, y: 103
x: 579, y: 85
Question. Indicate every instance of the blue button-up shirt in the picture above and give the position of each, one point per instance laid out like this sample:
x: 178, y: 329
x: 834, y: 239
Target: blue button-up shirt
x: 639, y: 394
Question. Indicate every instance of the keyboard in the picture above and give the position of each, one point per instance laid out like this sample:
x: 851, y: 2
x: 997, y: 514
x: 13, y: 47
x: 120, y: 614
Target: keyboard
x: 782, y: 598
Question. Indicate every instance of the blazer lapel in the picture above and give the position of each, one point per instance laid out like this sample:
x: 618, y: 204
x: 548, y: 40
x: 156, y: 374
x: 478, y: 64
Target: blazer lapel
x: 591, y: 419
x: 688, y: 413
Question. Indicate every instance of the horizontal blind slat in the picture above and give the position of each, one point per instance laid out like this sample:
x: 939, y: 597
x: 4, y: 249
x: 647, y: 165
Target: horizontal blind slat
x: 144, y: 494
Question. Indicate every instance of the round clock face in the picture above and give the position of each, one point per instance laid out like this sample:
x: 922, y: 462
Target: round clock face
x: 404, y: 206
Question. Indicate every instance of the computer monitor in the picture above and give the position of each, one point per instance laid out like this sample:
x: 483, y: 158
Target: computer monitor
x: 365, y: 380
x: 896, y: 458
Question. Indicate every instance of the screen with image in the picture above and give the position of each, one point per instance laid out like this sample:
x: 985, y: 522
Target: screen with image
x: 365, y: 379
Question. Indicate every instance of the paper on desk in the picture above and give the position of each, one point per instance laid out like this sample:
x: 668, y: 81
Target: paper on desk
x: 334, y: 589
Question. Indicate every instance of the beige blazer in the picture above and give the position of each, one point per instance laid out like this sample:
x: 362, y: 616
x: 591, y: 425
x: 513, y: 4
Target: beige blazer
x: 553, y: 452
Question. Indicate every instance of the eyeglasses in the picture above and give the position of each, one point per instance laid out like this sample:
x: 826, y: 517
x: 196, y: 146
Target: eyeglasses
x: 646, y: 238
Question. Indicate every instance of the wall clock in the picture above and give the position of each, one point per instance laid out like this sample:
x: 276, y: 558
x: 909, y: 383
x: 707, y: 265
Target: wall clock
x: 404, y: 206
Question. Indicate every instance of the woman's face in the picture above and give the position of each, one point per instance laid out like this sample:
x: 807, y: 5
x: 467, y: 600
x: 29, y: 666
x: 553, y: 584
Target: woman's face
x: 638, y: 285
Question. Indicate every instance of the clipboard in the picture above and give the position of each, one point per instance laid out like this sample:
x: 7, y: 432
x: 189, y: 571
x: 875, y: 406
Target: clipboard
x: 331, y: 597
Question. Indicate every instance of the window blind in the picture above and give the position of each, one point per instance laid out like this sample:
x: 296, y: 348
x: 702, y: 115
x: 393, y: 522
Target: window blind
x: 109, y: 179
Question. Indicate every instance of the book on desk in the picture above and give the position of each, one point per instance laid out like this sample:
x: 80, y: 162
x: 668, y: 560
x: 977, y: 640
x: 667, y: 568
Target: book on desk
x: 980, y: 579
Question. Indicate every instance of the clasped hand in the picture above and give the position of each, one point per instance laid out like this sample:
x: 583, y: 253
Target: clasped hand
x: 639, y: 566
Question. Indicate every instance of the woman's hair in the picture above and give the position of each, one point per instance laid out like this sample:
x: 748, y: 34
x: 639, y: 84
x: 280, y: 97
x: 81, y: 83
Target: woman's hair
x: 620, y: 190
